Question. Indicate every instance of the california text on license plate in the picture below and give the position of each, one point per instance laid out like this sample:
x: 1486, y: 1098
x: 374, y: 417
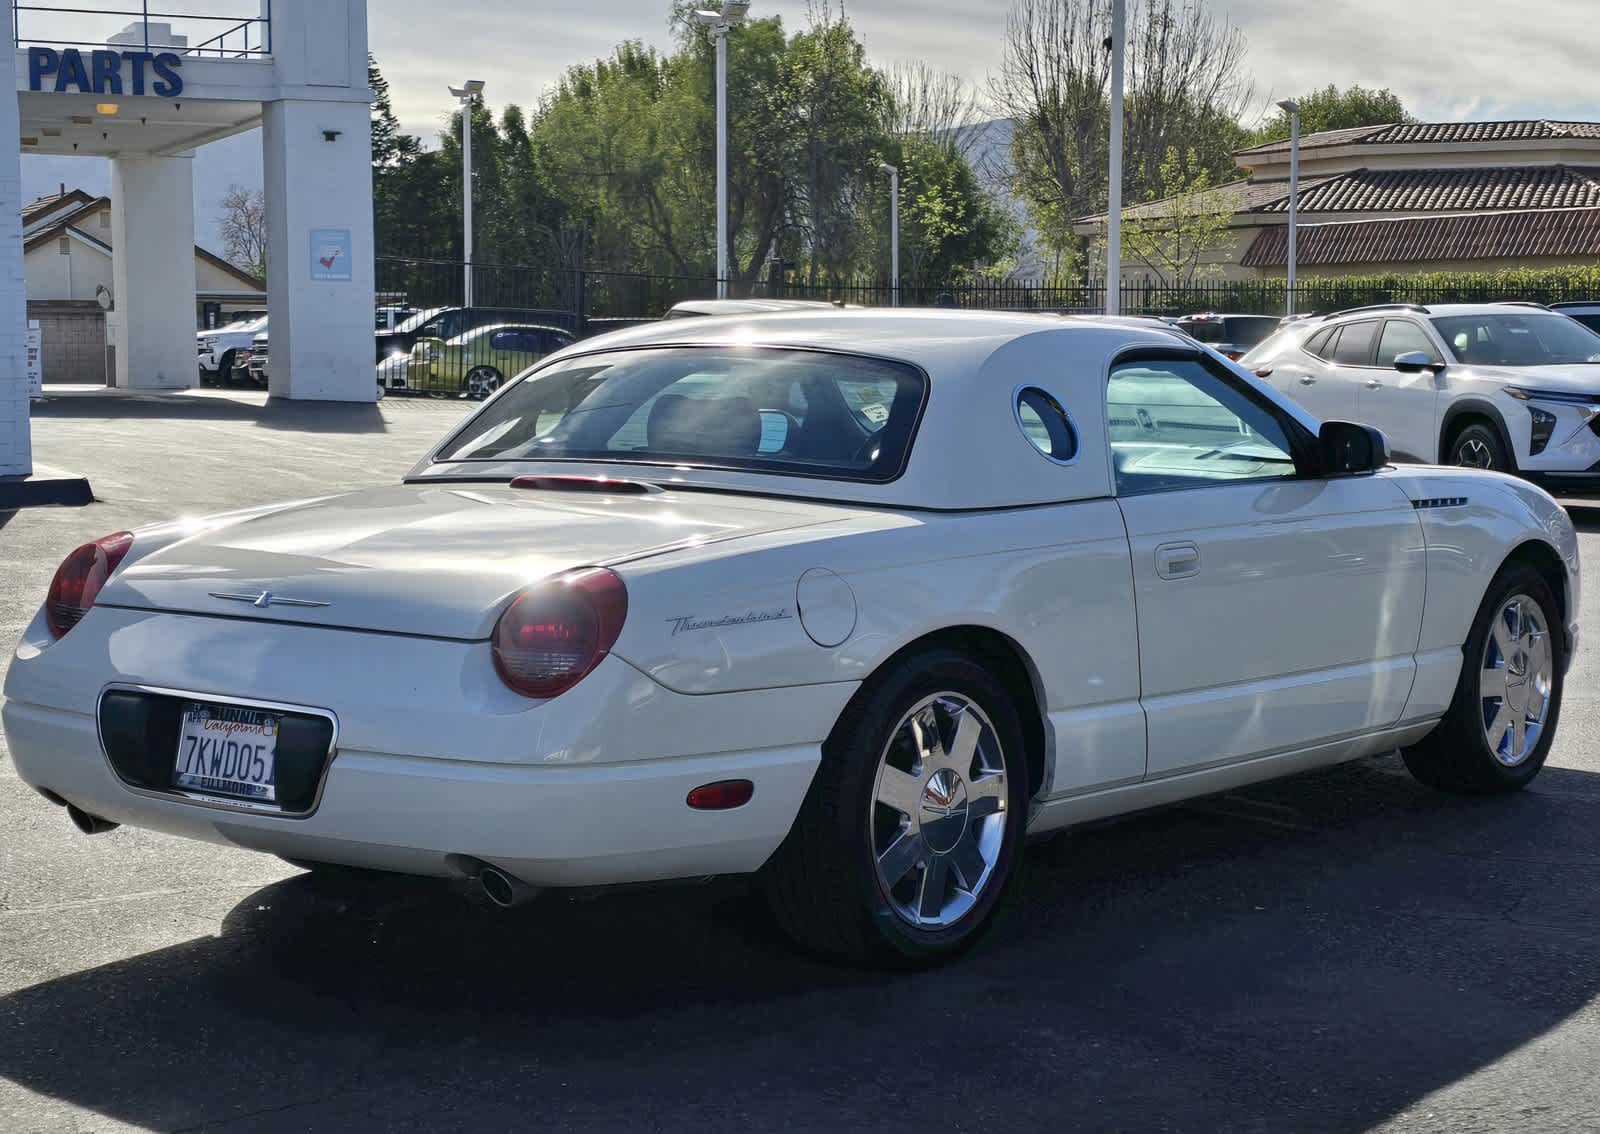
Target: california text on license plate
x: 228, y: 751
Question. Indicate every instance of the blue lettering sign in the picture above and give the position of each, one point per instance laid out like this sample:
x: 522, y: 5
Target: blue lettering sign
x: 66, y: 70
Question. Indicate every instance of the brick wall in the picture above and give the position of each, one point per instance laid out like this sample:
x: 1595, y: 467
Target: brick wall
x: 73, y: 339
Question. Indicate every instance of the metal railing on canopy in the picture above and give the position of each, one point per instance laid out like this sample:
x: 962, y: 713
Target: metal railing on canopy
x: 202, y: 34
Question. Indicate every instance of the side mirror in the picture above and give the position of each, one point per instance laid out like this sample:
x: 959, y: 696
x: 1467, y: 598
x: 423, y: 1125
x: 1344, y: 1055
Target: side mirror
x: 1415, y: 362
x: 1348, y: 449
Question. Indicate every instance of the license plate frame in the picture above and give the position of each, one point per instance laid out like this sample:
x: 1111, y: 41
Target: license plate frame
x: 227, y: 753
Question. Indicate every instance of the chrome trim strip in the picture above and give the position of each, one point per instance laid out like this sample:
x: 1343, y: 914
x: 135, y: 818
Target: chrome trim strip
x: 211, y: 802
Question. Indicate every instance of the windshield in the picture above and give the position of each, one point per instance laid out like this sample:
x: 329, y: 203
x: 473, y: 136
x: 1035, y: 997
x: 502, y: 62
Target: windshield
x: 418, y: 319
x: 1518, y: 340
x: 794, y: 412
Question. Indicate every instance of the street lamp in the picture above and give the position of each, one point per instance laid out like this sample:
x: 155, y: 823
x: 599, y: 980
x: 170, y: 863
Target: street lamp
x: 1292, y: 108
x: 1119, y: 23
x: 894, y: 232
x: 732, y: 15
x: 466, y: 92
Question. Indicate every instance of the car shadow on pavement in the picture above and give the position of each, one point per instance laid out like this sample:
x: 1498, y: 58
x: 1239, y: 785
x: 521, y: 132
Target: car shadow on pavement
x: 273, y: 413
x: 1313, y: 954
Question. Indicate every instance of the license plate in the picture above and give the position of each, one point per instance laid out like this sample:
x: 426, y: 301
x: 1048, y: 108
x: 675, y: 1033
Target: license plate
x: 228, y: 751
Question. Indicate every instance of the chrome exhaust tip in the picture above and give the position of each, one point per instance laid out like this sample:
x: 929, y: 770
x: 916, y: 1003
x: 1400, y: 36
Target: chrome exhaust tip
x: 89, y: 824
x: 502, y: 889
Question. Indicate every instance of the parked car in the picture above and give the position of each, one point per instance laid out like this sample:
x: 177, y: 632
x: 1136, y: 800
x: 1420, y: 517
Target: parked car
x: 256, y: 362
x: 695, y: 308
x: 474, y: 364
x: 218, y: 348
x: 391, y: 315
x: 448, y: 322
x: 703, y: 599
x: 1230, y: 335
x: 1505, y: 386
x: 1586, y: 312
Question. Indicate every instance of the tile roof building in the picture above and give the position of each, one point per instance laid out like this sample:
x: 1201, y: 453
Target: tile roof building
x: 1412, y: 197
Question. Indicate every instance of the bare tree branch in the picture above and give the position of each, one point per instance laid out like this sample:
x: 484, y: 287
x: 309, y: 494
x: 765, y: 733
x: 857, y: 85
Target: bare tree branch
x: 244, y: 229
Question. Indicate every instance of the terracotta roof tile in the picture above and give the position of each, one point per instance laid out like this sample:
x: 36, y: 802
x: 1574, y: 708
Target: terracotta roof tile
x: 1480, y: 236
x: 1437, y: 133
x: 1450, y: 189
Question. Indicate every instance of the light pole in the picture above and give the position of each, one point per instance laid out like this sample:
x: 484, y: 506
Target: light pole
x: 1119, y: 23
x: 732, y: 15
x: 467, y: 92
x: 1292, y: 108
x: 894, y: 232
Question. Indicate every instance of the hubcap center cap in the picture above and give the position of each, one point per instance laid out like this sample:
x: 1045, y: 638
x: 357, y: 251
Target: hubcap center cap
x: 943, y: 810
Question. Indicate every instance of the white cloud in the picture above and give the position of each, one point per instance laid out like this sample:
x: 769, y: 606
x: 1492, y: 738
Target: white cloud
x: 1448, y: 59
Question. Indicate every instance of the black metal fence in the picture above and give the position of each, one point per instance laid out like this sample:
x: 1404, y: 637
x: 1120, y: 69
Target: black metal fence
x: 579, y: 302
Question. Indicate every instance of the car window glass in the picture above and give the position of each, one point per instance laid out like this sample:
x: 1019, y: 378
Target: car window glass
x: 1402, y: 336
x: 1247, y: 332
x: 729, y: 408
x: 1535, y: 339
x: 1174, y: 424
x: 1354, y: 347
x: 1321, y: 341
x: 1046, y: 425
x: 503, y: 340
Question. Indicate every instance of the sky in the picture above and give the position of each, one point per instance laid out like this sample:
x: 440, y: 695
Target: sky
x: 1447, y: 59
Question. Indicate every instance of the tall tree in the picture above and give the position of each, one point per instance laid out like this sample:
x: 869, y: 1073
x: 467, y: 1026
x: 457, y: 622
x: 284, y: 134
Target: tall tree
x: 244, y: 229
x: 1186, y: 86
x: 1333, y: 109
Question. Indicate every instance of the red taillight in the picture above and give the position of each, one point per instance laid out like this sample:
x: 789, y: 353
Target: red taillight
x: 79, y: 579
x: 555, y: 633
x: 1234, y: 355
x: 1264, y: 372
x: 724, y: 795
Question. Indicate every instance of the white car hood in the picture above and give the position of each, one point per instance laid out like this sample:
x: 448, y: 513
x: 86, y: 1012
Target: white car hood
x: 431, y: 559
x: 1578, y: 379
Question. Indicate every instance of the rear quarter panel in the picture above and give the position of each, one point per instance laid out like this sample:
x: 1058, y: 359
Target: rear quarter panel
x: 1056, y: 580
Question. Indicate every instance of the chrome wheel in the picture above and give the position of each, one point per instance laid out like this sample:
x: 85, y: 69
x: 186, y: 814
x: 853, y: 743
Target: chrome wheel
x: 1473, y: 453
x: 481, y: 382
x: 938, y: 811
x: 1517, y: 675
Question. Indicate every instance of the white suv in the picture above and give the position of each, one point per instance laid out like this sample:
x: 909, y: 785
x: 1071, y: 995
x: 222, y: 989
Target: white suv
x: 1509, y: 386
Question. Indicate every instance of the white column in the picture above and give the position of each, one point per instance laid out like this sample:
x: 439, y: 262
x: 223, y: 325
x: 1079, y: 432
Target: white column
x: 16, y: 455
x: 318, y: 167
x: 152, y: 241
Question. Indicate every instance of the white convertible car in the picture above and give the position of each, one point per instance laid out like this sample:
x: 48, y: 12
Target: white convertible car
x: 849, y: 600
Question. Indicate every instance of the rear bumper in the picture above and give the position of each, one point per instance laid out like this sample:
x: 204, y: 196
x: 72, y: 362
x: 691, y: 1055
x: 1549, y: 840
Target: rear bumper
x: 573, y: 826
x: 435, y: 756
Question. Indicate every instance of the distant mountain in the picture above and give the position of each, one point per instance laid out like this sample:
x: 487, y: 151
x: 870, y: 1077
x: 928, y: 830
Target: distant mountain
x: 217, y: 167
x: 990, y: 155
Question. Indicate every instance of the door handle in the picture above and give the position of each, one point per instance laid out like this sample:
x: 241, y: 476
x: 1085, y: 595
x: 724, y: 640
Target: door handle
x: 1374, y: 384
x: 1177, y: 560
x: 1307, y: 380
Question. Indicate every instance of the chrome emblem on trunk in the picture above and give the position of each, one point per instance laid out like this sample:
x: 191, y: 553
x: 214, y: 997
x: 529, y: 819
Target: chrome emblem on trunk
x: 265, y: 599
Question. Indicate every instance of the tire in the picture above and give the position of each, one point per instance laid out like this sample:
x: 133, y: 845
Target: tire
x: 480, y: 382
x: 1479, y: 446
x: 225, y: 369
x: 1458, y: 756
x: 828, y: 886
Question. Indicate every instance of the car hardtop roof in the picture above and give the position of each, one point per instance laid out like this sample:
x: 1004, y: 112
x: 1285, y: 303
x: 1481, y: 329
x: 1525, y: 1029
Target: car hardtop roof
x: 950, y: 341
x: 714, y: 307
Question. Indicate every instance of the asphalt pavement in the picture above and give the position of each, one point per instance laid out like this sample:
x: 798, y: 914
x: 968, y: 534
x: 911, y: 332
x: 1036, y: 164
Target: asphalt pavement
x: 1342, y: 951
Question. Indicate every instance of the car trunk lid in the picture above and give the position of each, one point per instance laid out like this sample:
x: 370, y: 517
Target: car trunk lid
x: 438, y: 560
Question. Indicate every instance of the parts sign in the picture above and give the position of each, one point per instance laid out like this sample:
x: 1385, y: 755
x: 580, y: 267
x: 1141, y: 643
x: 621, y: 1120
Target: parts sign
x: 105, y: 72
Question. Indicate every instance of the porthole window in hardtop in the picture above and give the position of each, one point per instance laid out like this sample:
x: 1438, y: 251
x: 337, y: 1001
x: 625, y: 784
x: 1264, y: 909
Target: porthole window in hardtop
x: 1046, y: 425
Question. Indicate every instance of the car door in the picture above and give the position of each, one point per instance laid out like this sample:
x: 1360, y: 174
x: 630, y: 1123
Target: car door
x: 1348, y: 366
x: 1277, y: 609
x: 1310, y: 378
x: 1404, y: 406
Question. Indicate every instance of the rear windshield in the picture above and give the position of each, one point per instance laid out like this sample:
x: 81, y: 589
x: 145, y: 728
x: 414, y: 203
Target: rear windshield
x: 1518, y: 340
x: 1234, y: 330
x: 765, y: 410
